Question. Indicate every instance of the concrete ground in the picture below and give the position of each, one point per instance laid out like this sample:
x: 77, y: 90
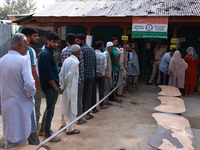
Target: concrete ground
x: 123, y: 126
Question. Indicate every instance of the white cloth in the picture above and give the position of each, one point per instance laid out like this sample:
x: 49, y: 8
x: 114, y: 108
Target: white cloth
x: 122, y: 71
x: 101, y: 62
x: 17, y: 88
x: 35, y: 60
x: 133, y: 64
x: 67, y: 118
x: 69, y: 83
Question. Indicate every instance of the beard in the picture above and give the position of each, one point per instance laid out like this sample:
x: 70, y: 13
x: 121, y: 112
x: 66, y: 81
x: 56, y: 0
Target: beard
x: 53, y: 47
x: 81, y: 44
x: 32, y: 42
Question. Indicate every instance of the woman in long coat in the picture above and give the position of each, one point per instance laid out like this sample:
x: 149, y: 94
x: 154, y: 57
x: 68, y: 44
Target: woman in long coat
x: 191, y: 73
x: 177, y: 67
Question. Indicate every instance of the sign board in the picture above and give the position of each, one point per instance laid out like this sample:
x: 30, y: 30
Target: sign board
x: 149, y: 27
x: 174, y: 40
x: 173, y: 46
x: 124, y: 37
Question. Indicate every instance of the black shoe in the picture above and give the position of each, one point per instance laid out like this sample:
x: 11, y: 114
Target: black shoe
x: 148, y: 83
x: 157, y: 84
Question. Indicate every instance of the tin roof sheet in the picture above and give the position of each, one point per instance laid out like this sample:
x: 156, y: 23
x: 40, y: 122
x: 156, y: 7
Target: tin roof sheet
x: 121, y: 8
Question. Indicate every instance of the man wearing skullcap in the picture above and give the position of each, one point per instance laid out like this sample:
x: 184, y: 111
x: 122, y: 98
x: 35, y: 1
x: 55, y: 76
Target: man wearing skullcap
x: 69, y: 76
x: 108, y: 72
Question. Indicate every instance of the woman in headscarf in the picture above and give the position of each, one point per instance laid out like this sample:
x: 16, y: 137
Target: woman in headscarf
x: 191, y: 73
x: 177, y: 67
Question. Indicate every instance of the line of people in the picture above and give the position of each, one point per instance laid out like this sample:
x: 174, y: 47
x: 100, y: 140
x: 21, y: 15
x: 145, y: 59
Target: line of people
x: 174, y: 70
x: 105, y: 67
x: 24, y: 75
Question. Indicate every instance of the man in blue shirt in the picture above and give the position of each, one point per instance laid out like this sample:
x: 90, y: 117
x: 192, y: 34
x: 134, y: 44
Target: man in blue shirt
x: 49, y: 80
x: 164, y: 64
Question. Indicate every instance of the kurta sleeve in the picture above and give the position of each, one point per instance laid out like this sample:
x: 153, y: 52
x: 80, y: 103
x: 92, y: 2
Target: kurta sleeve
x: 66, y: 76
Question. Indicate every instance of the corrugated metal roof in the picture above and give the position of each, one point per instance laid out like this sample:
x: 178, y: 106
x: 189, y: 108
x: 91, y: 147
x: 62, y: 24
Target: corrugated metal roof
x: 121, y: 8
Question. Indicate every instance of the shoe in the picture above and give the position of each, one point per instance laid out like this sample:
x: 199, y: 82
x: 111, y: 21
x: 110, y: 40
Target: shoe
x: 148, y: 83
x: 54, y: 139
x: 104, y: 107
x: 82, y: 121
x: 190, y: 95
x: 73, y: 132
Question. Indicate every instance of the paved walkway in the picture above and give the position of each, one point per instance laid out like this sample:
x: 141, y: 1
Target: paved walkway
x: 123, y: 126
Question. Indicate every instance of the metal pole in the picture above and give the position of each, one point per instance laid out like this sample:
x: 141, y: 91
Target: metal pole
x: 64, y: 128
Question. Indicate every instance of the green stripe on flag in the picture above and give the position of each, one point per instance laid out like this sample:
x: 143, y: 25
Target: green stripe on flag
x: 148, y: 34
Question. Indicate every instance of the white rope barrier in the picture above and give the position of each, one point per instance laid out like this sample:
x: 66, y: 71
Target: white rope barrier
x: 71, y: 123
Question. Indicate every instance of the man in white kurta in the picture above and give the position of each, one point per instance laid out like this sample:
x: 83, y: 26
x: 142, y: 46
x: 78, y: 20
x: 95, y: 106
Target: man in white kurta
x: 69, y: 85
x: 17, y: 89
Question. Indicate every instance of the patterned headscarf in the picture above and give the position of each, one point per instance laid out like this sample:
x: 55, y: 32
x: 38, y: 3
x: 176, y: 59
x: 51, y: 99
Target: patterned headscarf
x: 191, y: 51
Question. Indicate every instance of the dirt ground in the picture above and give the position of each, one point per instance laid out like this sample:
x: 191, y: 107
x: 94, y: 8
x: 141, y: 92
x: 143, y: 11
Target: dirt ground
x: 123, y: 126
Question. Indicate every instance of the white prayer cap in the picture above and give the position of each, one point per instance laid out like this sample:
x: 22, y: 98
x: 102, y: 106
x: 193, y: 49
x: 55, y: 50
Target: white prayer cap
x: 75, y: 48
x: 108, y: 44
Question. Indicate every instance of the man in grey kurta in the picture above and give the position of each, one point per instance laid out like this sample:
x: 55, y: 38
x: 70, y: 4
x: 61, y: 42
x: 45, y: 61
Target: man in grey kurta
x: 17, y: 89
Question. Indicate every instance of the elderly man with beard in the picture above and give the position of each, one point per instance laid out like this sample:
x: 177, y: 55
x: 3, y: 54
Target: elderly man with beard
x: 69, y: 76
x: 17, y: 89
x: 49, y: 80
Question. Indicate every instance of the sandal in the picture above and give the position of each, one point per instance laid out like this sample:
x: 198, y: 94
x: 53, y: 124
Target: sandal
x: 95, y: 111
x: 73, y: 132
x: 104, y: 107
x: 118, y: 100
x: 46, y: 147
x: 90, y: 117
x: 108, y: 103
x: 82, y: 121
x: 121, y: 95
x: 61, y: 128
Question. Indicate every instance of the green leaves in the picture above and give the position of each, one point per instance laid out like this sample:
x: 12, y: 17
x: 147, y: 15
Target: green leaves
x: 16, y: 7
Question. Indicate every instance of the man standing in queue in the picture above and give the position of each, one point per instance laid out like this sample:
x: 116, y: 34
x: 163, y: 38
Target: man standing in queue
x: 17, y: 88
x: 49, y: 80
